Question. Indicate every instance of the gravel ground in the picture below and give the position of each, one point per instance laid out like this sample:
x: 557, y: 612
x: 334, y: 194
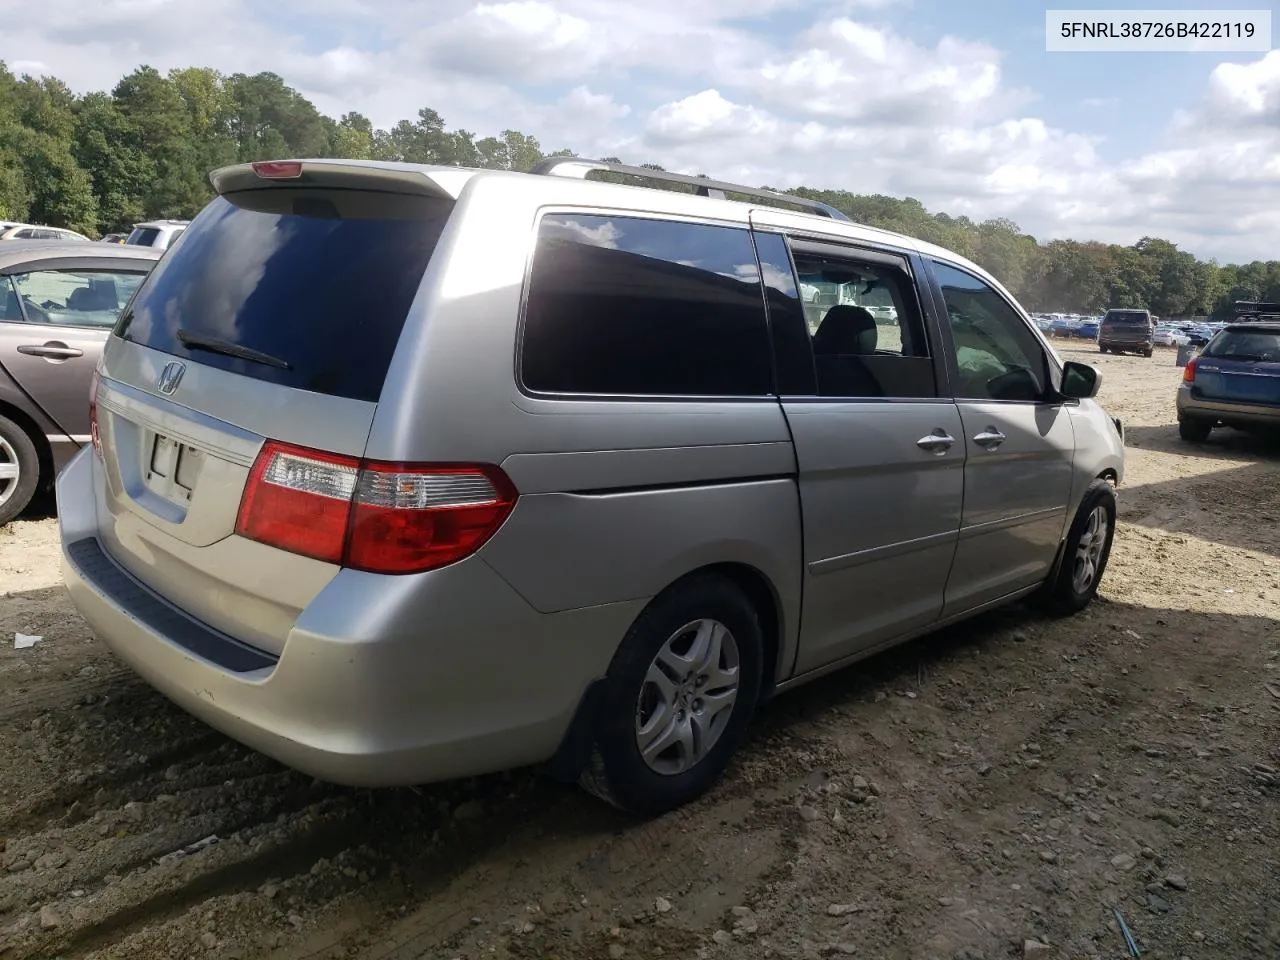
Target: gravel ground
x: 1012, y: 780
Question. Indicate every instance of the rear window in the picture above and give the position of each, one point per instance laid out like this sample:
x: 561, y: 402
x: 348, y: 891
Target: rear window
x: 1255, y: 345
x: 143, y: 237
x: 317, y: 284
x: 624, y: 305
x: 1127, y: 317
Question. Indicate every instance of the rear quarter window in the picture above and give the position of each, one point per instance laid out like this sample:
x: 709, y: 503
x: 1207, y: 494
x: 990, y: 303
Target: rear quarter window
x: 630, y: 306
x: 320, y: 281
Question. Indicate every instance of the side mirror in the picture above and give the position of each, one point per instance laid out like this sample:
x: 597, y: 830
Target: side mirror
x: 1080, y: 381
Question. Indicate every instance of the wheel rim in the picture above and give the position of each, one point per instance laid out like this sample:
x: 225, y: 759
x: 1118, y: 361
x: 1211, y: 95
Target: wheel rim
x: 688, y: 697
x: 1089, y: 550
x: 10, y: 471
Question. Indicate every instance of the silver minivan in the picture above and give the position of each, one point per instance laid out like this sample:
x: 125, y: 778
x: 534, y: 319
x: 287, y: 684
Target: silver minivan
x: 403, y: 473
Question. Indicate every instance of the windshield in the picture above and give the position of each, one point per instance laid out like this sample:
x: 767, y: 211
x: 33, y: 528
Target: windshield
x: 1245, y: 345
x: 320, y: 281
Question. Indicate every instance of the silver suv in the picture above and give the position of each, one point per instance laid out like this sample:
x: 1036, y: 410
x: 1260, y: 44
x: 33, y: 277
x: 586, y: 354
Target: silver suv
x: 408, y: 473
x: 156, y: 233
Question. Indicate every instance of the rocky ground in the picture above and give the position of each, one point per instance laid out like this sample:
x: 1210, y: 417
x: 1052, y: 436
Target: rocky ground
x: 995, y: 791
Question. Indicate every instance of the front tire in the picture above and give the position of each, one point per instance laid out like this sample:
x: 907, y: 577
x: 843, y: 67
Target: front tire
x: 19, y: 470
x: 1085, y: 553
x: 679, y: 696
x: 1195, y: 429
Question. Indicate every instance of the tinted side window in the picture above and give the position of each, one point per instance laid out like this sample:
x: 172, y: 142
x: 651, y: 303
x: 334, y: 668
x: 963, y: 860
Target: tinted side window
x: 997, y: 355
x: 623, y: 305
x: 866, y: 327
x: 143, y: 237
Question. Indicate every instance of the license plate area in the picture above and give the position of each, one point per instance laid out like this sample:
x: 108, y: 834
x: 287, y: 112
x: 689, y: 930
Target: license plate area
x: 172, y: 469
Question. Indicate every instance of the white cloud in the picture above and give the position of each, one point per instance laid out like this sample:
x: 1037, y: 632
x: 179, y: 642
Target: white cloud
x: 845, y: 99
x: 524, y: 40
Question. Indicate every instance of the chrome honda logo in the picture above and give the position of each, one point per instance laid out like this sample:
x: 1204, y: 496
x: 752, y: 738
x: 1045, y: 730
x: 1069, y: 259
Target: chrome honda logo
x: 170, y: 377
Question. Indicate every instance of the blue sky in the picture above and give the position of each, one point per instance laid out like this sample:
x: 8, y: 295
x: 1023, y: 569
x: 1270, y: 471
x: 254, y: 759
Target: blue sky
x: 956, y: 103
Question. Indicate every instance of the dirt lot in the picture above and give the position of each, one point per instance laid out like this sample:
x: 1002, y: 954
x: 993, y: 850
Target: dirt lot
x: 1013, y: 779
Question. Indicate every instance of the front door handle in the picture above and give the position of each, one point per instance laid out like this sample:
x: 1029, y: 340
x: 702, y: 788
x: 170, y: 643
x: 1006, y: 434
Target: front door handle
x: 53, y: 350
x: 938, y: 442
x: 990, y: 438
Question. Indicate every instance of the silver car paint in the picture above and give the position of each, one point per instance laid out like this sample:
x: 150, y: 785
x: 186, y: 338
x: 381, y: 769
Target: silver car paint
x: 858, y: 536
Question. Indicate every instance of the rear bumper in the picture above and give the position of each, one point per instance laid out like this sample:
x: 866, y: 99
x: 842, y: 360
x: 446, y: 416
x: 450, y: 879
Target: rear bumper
x: 1125, y: 344
x: 1258, y: 414
x: 383, y: 681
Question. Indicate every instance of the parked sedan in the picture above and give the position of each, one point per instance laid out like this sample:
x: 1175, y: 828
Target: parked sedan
x: 1169, y: 337
x: 58, y: 302
x: 1234, y: 381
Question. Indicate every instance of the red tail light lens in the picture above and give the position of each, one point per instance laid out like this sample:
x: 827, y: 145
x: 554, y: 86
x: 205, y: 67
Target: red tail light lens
x: 410, y: 518
x: 278, y: 169
x: 299, y: 500
x: 378, y: 517
x: 1189, y: 371
x: 93, y: 413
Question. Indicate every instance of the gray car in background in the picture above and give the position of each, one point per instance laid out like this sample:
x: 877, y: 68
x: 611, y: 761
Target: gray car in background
x: 58, y: 302
x: 411, y: 473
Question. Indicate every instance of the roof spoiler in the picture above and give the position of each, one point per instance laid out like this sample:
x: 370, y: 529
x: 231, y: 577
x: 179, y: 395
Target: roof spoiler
x: 1257, y: 308
x: 441, y: 182
x: 578, y: 167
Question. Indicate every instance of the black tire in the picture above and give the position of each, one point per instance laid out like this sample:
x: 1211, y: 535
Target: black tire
x: 1103, y: 349
x: 17, y: 496
x: 616, y: 771
x: 1061, y: 596
x: 1195, y: 429
x: 1148, y: 353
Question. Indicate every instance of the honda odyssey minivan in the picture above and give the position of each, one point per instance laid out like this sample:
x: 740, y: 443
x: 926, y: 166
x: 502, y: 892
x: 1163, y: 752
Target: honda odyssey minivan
x: 405, y: 473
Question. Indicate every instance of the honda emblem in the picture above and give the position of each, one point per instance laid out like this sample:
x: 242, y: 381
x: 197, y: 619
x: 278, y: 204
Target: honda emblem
x: 170, y: 377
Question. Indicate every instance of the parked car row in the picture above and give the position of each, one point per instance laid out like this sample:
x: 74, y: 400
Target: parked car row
x: 152, y: 233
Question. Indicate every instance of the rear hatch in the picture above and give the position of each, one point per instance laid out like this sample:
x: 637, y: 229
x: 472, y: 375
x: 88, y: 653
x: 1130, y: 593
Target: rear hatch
x: 273, y: 319
x: 1126, y: 326
x: 1240, y: 366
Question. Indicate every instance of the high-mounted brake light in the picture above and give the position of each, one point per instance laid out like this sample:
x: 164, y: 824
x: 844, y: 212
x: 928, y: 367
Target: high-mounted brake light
x: 278, y: 169
x: 1189, y: 371
x: 94, y: 436
x: 368, y: 515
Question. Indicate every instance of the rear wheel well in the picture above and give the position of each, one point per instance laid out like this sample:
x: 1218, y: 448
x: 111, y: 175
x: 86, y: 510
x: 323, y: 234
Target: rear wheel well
x: 574, y: 752
x: 1110, y: 476
x: 38, y: 439
x: 764, y: 598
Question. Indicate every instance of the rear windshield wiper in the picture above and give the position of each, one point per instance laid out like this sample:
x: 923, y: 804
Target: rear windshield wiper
x: 195, y: 341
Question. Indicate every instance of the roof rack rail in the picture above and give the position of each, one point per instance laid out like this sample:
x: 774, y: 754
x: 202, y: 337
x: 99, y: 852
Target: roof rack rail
x: 579, y: 167
x: 1258, y: 308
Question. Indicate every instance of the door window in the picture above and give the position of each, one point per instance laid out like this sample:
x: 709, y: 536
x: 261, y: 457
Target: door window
x: 997, y: 356
x: 865, y: 326
x: 644, y: 307
x: 80, y: 298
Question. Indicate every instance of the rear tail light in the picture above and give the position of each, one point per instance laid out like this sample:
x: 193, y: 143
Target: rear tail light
x: 379, y: 517
x: 94, y: 436
x: 1189, y: 371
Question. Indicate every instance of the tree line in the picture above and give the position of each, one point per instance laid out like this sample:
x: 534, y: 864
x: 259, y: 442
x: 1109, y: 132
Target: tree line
x: 100, y: 162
